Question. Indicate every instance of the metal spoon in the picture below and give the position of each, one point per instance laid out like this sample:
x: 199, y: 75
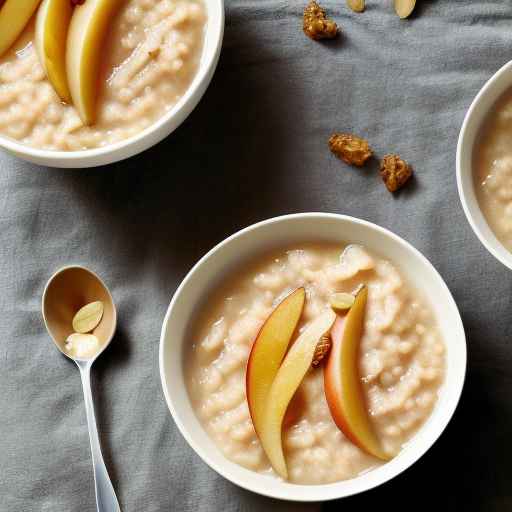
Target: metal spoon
x: 66, y: 292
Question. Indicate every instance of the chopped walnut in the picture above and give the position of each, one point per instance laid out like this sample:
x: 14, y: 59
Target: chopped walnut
x: 351, y: 149
x: 395, y: 172
x: 316, y: 25
x: 321, y: 350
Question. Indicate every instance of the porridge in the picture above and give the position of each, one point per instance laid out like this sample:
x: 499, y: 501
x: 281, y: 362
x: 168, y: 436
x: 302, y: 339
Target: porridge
x: 148, y: 60
x: 493, y: 170
x: 399, y: 363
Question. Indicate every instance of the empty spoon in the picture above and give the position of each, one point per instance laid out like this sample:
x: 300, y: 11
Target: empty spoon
x: 66, y: 292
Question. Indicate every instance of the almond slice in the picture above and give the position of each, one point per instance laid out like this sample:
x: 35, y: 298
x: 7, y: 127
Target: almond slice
x: 404, y: 7
x: 356, y: 5
x: 88, y: 317
x: 341, y: 301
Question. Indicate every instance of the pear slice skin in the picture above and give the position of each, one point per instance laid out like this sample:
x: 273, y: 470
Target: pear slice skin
x: 52, y: 24
x: 87, y: 31
x: 289, y: 377
x: 268, y: 351
x: 14, y: 17
x: 342, y: 383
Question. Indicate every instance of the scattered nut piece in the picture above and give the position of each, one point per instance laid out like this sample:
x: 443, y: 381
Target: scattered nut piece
x: 316, y: 25
x: 395, y: 172
x: 351, y: 149
x: 404, y: 7
x: 88, y: 317
x: 356, y: 5
x: 341, y: 301
x: 321, y: 350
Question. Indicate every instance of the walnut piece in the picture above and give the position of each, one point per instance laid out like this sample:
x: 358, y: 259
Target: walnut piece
x: 321, y: 350
x: 351, y: 149
x: 316, y: 25
x: 395, y: 172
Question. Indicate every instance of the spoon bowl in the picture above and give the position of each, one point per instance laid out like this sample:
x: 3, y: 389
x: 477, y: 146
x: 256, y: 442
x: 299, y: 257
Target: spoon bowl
x: 66, y: 292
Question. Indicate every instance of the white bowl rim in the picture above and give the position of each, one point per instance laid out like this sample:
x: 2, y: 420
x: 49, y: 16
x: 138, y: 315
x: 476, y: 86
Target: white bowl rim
x: 504, y: 257
x: 191, y: 96
x: 323, y: 492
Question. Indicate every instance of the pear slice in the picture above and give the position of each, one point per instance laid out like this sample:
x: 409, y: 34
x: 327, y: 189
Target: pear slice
x: 87, y: 31
x: 293, y: 369
x: 52, y: 24
x: 14, y: 16
x: 268, y: 351
x: 342, y: 382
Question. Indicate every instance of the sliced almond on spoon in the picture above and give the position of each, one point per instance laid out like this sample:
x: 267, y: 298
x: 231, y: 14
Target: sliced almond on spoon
x: 404, y: 8
x: 88, y: 317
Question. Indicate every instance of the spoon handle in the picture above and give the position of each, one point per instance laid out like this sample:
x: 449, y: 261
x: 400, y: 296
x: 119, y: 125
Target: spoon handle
x: 106, y: 499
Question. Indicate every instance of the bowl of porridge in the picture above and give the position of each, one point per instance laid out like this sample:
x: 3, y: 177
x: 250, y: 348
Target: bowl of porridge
x: 484, y: 165
x: 312, y: 356
x: 90, y: 83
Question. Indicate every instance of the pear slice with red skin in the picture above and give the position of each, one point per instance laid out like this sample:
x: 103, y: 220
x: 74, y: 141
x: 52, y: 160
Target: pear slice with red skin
x: 289, y: 377
x: 268, y: 351
x: 342, y: 380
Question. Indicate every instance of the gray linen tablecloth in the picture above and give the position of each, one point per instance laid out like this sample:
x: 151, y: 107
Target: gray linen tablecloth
x: 255, y: 147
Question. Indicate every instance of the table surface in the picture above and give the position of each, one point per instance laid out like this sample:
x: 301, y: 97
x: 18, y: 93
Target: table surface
x: 255, y: 147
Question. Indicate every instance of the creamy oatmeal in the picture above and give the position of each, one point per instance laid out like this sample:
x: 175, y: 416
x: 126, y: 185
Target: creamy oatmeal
x: 493, y: 169
x: 401, y: 361
x: 150, y: 57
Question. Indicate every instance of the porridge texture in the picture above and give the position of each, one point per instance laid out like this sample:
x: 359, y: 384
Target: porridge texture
x: 151, y: 56
x: 493, y: 170
x: 401, y: 361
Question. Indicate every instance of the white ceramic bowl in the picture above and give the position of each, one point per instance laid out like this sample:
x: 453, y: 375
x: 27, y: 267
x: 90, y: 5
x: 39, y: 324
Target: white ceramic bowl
x: 482, y: 104
x: 152, y: 134
x: 282, y: 231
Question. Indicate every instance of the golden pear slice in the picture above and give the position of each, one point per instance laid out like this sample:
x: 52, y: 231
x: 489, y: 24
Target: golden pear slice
x: 268, y: 351
x: 87, y: 31
x: 14, y: 16
x: 52, y: 24
x: 342, y: 381
x: 293, y: 369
